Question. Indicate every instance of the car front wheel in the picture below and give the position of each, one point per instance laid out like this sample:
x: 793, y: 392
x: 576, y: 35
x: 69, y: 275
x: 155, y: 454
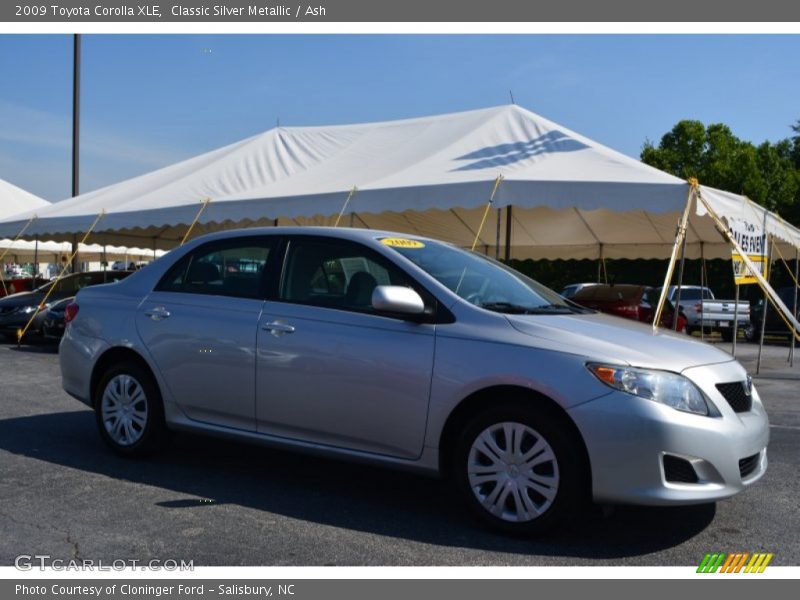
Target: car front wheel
x: 129, y: 412
x: 517, y: 470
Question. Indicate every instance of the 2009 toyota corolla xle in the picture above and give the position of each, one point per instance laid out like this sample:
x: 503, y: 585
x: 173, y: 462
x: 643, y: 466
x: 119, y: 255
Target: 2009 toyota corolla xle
x: 414, y: 353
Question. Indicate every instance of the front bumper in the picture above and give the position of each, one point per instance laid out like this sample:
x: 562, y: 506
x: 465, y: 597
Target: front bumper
x: 627, y: 438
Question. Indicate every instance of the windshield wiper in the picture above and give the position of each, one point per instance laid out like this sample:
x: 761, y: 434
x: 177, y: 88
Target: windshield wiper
x: 517, y: 309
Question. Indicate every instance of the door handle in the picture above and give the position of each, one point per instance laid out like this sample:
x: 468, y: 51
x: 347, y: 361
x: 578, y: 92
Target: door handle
x: 157, y: 314
x: 277, y: 328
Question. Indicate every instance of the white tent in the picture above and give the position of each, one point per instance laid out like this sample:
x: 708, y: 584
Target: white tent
x: 570, y: 196
x: 15, y: 200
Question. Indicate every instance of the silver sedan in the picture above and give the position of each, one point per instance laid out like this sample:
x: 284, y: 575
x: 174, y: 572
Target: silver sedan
x: 413, y: 353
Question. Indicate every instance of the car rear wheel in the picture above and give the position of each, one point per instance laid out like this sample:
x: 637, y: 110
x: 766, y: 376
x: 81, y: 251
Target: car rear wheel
x: 515, y: 468
x: 129, y: 411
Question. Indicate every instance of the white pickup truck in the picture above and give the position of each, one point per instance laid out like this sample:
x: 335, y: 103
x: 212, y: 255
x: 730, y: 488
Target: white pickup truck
x: 703, y: 310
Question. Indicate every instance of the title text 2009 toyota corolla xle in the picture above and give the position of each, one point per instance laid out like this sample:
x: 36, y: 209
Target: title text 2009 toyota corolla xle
x: 411, y: 352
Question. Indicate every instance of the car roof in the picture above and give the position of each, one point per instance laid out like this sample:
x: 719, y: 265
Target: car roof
x: 345, y: 233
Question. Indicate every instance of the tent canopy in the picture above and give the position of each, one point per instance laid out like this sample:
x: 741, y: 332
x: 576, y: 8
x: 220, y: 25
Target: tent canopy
x: 15, y: 200
x: 571, y: 197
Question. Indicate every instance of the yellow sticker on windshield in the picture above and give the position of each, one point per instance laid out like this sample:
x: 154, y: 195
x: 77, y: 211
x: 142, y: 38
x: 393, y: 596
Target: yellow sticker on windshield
x: 402, y: 243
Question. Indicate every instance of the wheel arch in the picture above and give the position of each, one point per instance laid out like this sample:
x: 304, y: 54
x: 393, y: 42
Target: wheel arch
x: 110, y: 357
x: 479, y: 400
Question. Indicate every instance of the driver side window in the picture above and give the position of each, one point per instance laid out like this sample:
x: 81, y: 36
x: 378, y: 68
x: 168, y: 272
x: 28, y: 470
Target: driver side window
x: 336, y: 274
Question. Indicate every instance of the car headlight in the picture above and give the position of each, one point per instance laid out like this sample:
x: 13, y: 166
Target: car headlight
x: 28, y: 309
x: 665, y: 387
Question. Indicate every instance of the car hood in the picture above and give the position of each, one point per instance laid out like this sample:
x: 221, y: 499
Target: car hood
x: 616, y: 340
x: 21, y: 299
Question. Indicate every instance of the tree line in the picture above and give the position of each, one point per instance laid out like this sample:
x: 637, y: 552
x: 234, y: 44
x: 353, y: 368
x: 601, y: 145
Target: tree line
x: 768, y: 174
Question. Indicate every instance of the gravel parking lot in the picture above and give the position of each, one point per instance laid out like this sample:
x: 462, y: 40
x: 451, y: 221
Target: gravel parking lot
x: 224, y: 503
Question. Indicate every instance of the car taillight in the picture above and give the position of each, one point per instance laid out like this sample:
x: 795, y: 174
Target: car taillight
x: 70, y: 312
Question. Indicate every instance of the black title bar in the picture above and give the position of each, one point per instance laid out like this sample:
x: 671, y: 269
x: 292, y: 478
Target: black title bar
x: 338, y: 11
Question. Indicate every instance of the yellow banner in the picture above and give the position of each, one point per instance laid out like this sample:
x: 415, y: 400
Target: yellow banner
x: 741, y: 274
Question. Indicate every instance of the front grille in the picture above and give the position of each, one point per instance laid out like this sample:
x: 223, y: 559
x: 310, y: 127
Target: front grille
x: 748, y: 465
x: 736, y: 395
x: 679, y: 470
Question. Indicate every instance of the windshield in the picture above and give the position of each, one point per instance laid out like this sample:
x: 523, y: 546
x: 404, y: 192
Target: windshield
x: 480, y: 280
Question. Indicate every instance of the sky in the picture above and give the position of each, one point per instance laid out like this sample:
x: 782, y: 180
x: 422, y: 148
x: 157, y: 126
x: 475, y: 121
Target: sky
x: 151, y: 100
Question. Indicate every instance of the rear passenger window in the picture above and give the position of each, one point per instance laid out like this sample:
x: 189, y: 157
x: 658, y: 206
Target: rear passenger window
x: 233, y: 268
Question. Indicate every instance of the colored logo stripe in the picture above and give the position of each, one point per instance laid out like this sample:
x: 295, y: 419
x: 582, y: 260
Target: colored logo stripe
x: 734, y: 563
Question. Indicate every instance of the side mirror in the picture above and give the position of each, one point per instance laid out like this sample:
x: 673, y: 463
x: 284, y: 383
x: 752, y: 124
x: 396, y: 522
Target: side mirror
x: 397, y: 299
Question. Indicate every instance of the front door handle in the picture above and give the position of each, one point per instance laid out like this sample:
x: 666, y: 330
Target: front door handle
x: 277, y: 328
x: 158, y: 314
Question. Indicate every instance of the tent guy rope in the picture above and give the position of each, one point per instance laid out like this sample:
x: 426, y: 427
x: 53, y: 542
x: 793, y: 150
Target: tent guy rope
x: 203, y: 206
x: 21, y: 332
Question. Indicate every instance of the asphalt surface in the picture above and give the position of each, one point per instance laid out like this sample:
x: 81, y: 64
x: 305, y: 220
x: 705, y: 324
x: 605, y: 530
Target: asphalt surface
x: 222, y: 503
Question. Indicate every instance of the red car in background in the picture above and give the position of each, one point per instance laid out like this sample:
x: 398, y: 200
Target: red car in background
x: 636, y: 302
x: 20, y: 284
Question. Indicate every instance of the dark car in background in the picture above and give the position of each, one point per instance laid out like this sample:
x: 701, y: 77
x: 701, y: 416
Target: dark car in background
x: 774, y: 325
x: 16, y: 310
x: 55, y: 319
x: 636, y: 302
x: 20, y: 284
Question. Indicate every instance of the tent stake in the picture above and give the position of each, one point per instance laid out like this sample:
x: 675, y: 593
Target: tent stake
x: 196, y: 218
x: 21, y: 332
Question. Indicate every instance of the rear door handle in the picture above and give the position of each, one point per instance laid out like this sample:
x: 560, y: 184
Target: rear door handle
x: 157, y: 314
x: 277, y: 328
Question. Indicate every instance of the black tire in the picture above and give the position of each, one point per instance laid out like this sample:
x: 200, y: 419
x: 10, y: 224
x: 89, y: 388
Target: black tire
x: 153, y: 434
x: 691, y: 330
x: 727, y: 335
x: 570, y: 491
x: 752, y: 333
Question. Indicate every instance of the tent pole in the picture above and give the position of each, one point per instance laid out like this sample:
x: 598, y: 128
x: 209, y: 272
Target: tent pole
x: 680, y: 233
x: 764, y: 312
x: 73, y: 262
x: 508, y: 233
x: 794, y: 305
x: 599, y: 261
x: 702, y: 293
x: 35, y: 261
x: 680, y: 285
x: 497, y: 235
x: 735, y: 321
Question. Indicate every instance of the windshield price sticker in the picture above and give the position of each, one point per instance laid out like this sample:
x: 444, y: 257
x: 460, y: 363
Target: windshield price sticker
x: 402, y: 243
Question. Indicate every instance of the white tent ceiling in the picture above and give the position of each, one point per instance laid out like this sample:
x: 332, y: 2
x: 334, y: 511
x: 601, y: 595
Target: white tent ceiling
x: 571, y: 197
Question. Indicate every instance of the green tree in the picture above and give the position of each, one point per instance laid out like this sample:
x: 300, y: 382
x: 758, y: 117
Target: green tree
x: 768, y: 174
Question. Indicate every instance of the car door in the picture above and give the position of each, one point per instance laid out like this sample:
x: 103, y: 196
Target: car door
x: 199, y: 326
x: 330, y: 369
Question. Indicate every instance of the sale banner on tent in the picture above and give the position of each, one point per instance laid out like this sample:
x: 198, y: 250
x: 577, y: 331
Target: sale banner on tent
x: 753, y: 241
